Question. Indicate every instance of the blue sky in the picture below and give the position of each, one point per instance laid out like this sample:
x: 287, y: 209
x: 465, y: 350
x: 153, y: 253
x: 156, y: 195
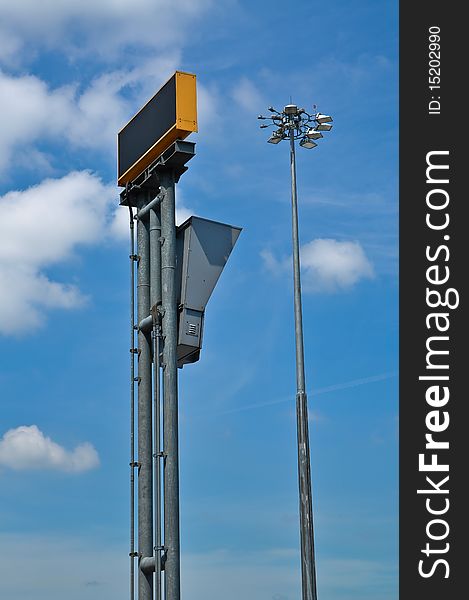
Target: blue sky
x: 71, y: 74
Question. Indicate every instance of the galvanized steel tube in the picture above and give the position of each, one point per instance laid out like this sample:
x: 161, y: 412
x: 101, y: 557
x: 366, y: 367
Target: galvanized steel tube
x: 170, y: 398
x: 155, y: 299
x: 145, y: 484
x: 157, y: 458
x: 308, y: 567
x: 132, y: 405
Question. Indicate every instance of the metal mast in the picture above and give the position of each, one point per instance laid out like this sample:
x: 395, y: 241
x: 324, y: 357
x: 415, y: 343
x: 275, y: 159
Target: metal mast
x: 169, y: 320
x: 295, y: 123
x: 156, y: 325
x: 170, y: 387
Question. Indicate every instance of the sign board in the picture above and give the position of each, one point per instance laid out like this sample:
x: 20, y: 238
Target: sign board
x: 170, y: 115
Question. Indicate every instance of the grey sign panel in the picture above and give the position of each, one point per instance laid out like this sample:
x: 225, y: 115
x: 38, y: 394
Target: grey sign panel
x: 147, y: 126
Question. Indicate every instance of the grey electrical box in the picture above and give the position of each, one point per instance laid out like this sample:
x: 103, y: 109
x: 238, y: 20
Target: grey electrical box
x: 202, y: 249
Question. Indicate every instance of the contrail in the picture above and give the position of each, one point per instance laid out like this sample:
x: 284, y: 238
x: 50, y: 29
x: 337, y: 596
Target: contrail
x: 325, y: 390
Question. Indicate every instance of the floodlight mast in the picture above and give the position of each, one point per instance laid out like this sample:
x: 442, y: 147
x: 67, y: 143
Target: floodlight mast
x: 295, y: 123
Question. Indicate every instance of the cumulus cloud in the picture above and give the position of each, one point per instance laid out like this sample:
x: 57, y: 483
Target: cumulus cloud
x: 46, y: 225
x: 148, y: 34
x: 328, y: 265
x: 25, y: 103
x: 26, y: 448
x: 88, y: 118
x: 32, y: 241
x: 103, y: 29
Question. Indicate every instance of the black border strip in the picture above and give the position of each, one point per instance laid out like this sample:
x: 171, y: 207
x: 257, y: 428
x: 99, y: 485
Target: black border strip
x: 432, y: 271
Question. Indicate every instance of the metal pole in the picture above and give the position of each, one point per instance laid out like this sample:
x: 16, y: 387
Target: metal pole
x: 155, y: 300
x: 170, y: 397
x: 308, y: 567
x: 132, y: 405
x: 145, y: 484
x: 155, y: 253
x: 157, y: 457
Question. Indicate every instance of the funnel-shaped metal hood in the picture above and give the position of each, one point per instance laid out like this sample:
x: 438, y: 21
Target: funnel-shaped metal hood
x: 203, y: 247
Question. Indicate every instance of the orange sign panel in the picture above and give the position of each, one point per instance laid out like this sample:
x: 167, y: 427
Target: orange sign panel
x: 170, y: 115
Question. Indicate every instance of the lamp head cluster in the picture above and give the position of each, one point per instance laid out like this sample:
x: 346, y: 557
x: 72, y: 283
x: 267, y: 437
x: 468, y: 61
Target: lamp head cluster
x: 305, y: 127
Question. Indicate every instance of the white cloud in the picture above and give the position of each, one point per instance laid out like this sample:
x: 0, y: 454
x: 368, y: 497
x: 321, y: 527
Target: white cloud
x: 28, y: 110
x: 248, y: 96
x: 209, y: 111
x: 46, y: 225
x: 26, y: 447
x: 27, y: 293
x: 89, y: 118
x: 103, y: 29
x: 32, y: 111
x: 42, y: 226
x: 95, y: 116
x: 272, y: 264
x: 328, y: 265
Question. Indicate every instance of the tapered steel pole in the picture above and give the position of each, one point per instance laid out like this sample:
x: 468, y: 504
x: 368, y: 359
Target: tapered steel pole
x: 145, y: 459
x: 170, y: 387
x: 308, y: 566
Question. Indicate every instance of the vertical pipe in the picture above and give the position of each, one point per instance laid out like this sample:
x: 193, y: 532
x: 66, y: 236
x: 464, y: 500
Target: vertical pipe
x: 308, y: 567
x: 132, y: 406
x: 157, y: 458
x: 155, y: 253
x: 145, y: 484
x: 155, y: 299
x: 170, y: 399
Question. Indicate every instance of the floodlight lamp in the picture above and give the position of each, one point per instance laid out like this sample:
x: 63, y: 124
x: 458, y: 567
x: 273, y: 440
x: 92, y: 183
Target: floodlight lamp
x: 261, y: 117
x: 307, y: 143
x: 276, y: 137
x: 313, y: 134
x: 272, y: 109
x: 265, y: 126
x: 323, y: 118
x: 323, y: 127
